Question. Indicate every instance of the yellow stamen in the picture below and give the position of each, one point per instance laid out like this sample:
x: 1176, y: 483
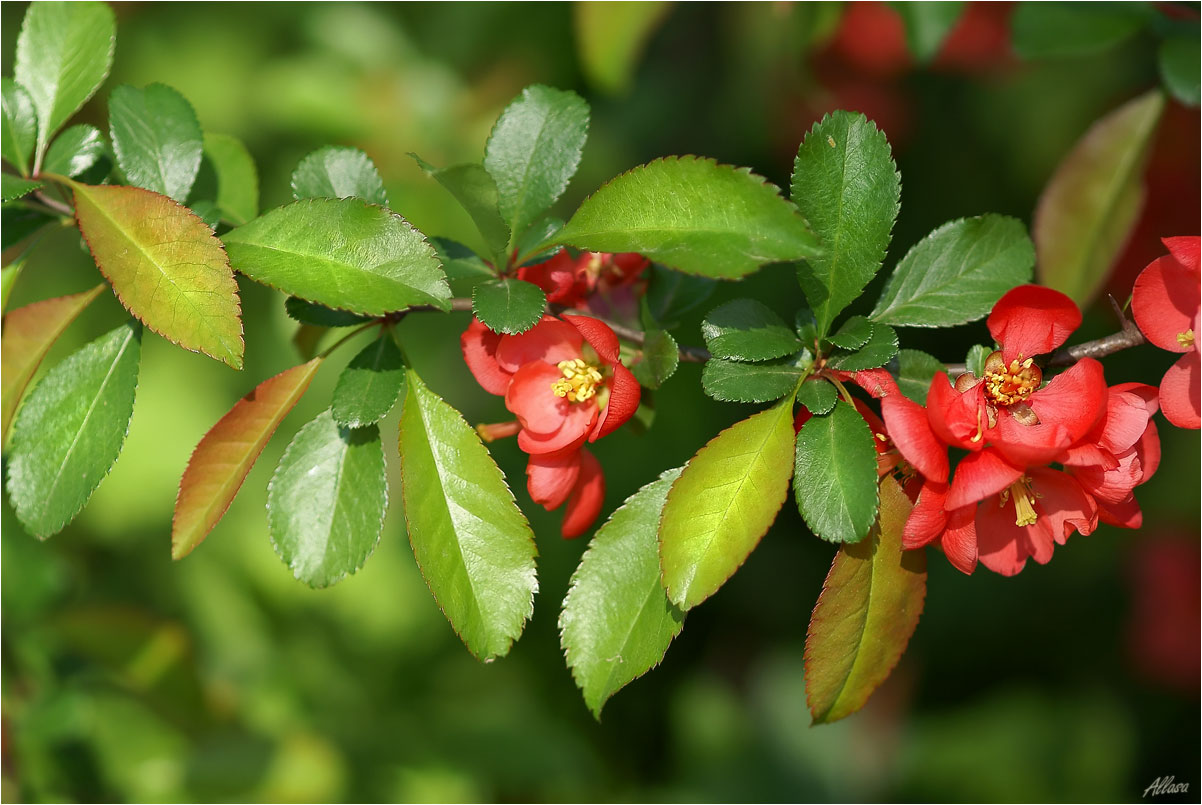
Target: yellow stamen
x: 1024, y: 501
x: 579, y: 382
x: 1186, y: 339
x: 1013, y: 384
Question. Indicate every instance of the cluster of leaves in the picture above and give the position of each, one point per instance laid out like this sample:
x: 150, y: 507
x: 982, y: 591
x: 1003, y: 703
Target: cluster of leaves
x: 170, y: 213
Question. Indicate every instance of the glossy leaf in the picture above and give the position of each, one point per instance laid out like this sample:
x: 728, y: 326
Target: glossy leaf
x: 915, y: 370
x: 64, y: 53
x: 533, y: 152
x: 747, y: 330
x: 165, y: 266
x: 338, y: 172
x: 847, y: 187
x: 20, y: 133
x: 1053, y: 29
x: 617, y: 622
x: 464, y: 268
x: 881, y: 346
x: 1179, y: 57
x: 508, y: 306
x: 224, y: 457
x: 535, y: 239
x: 327, y: 499
x: 671, y: 294
x: 723, y: 222
x: 237, y: 178
x: 29, y: 332
x: 156, y: 139
x: 1091, y: 204
x: 8, y: 278
x: 660, y: 357
x: 472, y: 543
x: 610, y: 37
x: 853, y: 334
x: 476, y: 192
x: 868, y: 609
x: 818, y: 396
x: 71, y: 428
x: 723, y: 503
x: 955, y: 274
x: 14, y: 187
x: 975, y: 361
x: 927, y: 25
x: 834, y: 480
x: 341, y: 253
x: 731, y: 381
x: 370, y: 384
x: 74, y: 151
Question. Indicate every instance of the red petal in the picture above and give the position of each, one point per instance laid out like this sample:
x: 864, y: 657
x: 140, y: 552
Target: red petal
x: 1147, y: 449
x: 877, y: 382
x: 557, y: 278
x: 585, y: 503
x: 910, y: 430
x: 875, y: 426
x: 1029, y: 445
x: 959, y: 541
x: 550, y: 340
x: 550, y: 478
x: 1165, y: 302
x: 1184, y: 250
x: 1123, y: 515
x: 979, y: 475
x: 538, y: 408
x: 1179, y: 393
x: 928, y: 518
x: 598, y: 335
x: 1127, y: 415
x: 1115, y: 485
x: 1075, y: 399
x: 479, y: 346
x: 956, y: 418
x: 623, y: 402
x: 1032, y: 320
x: 1002, y: 546
x: 1064, y: 504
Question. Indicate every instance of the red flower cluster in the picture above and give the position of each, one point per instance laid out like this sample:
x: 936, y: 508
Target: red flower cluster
x: 1005, y: 502
x: 1166, y: 304
x: 566, y: 385
x: 572, y: 281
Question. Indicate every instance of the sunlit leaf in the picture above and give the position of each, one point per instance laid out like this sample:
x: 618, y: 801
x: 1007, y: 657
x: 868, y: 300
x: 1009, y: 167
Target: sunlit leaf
x: 617, y: 622
x: 337, y: 172
x: 20, y: 133
x: 370, y: 384
x: 835, y: 477
x: 71, y: 428
x: 74, y: 151
x: 166, y: 267
x: 237, y: 178
x: 733, y: 381
x: 853, y: 334
x: 868, y: 609
x: 610, y: 37
x: 156, y: 139
x: 476, y: 192
x: 880, y: 347
x: 508, y: 306
x: 14, y: 187
x: 818, y: 396
x: 747, y: 330
x: 225, y: 455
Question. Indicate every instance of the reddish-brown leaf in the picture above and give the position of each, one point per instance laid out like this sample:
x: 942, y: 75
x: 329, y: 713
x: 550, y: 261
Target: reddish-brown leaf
x: 225, y: 455
x: 29, y: 332
x: 865, y: 615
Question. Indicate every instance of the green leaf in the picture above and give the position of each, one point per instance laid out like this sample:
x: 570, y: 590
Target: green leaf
x: 18, y: 222
x: 915, y: 369
x: 327, y: 499
x: 8, y: 278
x: 818, y: 396
x: 868, y: 609
x: 14, y: 187
x: 165, y: 266
x: 29, y: 332
x: 70, y: 430
x: 1053, y: 29
x: 74, y: 151
x: 342, y: 253
x: 746, y: 330
x: 955, y: 274
x: 976, y: 359
x: 854, y: 333
x: 535, y: 240
x: 660, y: 357
x: 730, y: 381
x: 319, y: 315
x: 723, y: 503
x: 64, y: 54
x: 338, y: 172
x: 834, y: 479
x: 880, y: 348
x: 20, y: 125
x: 534, y: 150
x: 610, y: 37
x: 464, y: 268
x: 472, y: 543
x: 847, y: 187
x: 225, y: 455
x: 476, y: 192
x: 156, y: 139
x: 1179, y: 59
x: 508, y: 306
x: 723, y: 221
x: 370, y: 384
x: 237, y: 178
x: 927, y: 25
x: 1091, y: 204
x: 617, y: 622
x: 671, y: 294
x: 207, y: 211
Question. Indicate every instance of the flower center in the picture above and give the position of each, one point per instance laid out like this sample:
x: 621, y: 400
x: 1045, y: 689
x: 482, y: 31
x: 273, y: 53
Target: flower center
x: 579, y: 381
x: 1186, y: 339
x: 1024, y: 501
x: 1010, y: 385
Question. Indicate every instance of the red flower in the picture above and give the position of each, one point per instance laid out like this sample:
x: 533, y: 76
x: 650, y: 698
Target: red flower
x: 574, y: 478
x: 570, y: 281
x: 1166, y: 306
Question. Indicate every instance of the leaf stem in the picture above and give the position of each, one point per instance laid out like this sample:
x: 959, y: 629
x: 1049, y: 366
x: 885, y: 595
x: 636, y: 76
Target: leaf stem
x: 373, y: 323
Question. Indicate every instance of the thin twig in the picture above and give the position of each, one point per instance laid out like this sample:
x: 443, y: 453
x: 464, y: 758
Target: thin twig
x: 57, y: 206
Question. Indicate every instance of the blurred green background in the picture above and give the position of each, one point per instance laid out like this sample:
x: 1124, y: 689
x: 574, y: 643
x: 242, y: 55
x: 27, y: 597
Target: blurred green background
x: 127, y: 677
